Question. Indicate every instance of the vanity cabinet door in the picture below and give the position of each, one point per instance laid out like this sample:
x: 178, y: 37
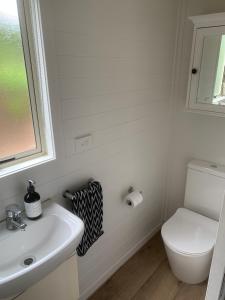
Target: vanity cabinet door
x: 206, y: 91
x: 59, y: 285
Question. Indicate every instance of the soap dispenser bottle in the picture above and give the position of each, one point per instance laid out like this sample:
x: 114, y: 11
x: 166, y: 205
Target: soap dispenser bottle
x: 32, y: 202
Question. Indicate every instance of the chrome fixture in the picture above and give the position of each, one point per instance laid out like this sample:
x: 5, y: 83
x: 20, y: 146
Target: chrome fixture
x: 68, y: 195
x: 14, y: 218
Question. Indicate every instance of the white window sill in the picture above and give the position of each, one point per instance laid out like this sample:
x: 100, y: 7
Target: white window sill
x: 24, y: 165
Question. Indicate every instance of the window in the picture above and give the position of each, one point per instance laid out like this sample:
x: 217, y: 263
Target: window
x: 25, y: 120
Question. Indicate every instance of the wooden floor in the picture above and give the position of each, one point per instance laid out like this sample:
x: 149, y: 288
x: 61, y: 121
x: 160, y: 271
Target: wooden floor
x: 147, y: 276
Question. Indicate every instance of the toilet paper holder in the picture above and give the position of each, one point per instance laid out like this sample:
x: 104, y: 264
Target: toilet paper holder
x: 131, y: 189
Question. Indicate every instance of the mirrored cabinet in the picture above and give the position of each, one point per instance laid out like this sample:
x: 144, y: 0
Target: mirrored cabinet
x: 206, y: 87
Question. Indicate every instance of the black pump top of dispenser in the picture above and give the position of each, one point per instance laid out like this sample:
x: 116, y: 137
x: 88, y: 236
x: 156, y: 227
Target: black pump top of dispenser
x: 31, y: 195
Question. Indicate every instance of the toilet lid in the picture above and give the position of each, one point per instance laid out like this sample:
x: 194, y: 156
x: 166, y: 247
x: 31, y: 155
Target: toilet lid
x: 189, y: 232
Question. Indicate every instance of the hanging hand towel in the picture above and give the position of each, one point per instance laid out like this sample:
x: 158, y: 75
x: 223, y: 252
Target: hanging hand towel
x: 87, y: 204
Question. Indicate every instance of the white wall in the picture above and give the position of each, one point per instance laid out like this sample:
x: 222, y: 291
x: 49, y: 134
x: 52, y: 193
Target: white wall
x: 193, y: 135
x: 110, y: 73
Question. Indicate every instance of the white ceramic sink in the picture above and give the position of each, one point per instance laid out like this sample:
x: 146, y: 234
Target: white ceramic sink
x: 48, y: 241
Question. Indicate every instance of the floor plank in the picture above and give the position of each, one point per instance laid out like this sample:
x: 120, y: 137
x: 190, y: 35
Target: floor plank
x: 193, y: 292
x: 147, y: 276
x: 130, y: 277
x: 162, y: 285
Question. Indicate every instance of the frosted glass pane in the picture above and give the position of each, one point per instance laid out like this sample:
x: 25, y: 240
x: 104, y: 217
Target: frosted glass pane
x: 16, y: 124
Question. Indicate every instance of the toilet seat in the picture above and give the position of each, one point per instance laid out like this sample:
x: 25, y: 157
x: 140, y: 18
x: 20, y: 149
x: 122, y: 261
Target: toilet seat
x: 189, y: 233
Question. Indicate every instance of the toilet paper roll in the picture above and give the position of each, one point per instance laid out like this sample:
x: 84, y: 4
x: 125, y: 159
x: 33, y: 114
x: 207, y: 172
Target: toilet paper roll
x: 134, y: 199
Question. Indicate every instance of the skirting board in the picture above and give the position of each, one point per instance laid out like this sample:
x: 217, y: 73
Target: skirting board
x: 100, y: 281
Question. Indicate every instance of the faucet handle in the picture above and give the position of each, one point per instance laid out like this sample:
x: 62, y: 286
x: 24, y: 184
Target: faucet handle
x: 13, y: 211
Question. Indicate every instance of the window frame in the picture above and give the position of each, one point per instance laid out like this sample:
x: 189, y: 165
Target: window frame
x: 35, y: 63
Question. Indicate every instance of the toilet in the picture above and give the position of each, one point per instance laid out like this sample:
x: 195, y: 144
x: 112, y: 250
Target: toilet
x: 189, y: 236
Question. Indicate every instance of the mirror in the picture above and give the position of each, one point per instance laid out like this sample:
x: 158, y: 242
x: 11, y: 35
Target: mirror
x: 211, y: 84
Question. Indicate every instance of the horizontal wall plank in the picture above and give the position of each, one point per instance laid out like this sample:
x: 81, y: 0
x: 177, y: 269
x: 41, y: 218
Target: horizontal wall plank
x: 86, y: 106
x: 103, y: 121
x: 117, y: 16
x: 85, y: 87
x: 109, y: 47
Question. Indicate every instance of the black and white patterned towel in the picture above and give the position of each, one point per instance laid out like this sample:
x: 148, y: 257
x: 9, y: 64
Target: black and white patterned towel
x: 87, y: 204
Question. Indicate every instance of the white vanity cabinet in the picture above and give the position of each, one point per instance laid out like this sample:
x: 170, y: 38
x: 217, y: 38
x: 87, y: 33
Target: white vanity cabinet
x: 206, y: 87
x: 61, y: 284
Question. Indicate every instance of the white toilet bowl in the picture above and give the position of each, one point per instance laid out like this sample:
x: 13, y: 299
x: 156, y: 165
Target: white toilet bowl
x: 189, y: 240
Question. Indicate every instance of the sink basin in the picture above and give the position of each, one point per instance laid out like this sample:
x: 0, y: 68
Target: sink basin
x: 27, y: 256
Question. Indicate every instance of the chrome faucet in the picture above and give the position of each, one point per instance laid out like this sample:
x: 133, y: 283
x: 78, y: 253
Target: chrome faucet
x: 14, y: 218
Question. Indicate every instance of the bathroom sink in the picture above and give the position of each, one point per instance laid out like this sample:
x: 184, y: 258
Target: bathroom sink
x: 27, y: 256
